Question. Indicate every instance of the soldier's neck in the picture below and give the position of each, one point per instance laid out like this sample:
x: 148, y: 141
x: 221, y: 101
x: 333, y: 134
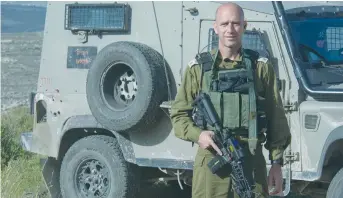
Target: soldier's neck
x: 230, y: 53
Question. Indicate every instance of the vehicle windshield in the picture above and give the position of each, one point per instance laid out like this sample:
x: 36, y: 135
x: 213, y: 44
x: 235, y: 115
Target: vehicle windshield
x: 319, y: 35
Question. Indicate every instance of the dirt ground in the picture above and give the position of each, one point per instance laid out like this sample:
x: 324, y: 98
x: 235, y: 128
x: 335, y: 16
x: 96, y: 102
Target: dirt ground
x: 172, y: 190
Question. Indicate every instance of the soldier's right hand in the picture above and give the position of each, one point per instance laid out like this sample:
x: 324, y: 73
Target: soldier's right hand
x: 206, y: 140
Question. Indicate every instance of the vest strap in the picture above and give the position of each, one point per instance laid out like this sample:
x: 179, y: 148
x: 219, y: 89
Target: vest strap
x: 253, y: 139
x: 206, y: 61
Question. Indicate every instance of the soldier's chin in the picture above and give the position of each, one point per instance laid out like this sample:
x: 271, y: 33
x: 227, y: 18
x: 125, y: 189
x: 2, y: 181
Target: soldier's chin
x: 231, y: 44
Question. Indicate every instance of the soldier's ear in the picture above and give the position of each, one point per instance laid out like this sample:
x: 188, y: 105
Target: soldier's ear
x: 215, y: 27
x: 245, y: 25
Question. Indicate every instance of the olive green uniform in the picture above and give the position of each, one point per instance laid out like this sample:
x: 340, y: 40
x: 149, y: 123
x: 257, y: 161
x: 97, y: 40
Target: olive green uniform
x: 208, y: 185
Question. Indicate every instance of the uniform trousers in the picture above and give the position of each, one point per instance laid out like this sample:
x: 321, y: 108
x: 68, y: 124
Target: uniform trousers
x: 205, y: 184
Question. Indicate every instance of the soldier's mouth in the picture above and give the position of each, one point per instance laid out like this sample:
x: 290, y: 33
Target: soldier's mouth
x: 230, y: 38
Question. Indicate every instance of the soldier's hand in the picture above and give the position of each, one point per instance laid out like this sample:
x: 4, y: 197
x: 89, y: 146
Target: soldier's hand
x: 205, y: 141
x: 275, y: 179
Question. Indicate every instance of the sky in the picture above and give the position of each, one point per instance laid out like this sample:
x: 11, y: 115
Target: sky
x: 265, y: 6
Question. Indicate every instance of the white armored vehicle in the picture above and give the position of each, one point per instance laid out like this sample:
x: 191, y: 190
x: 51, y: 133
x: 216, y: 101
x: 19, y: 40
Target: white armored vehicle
x: 109, y: 72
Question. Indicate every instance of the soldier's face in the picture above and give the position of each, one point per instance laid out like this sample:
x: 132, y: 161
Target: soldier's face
x: 229, y: 27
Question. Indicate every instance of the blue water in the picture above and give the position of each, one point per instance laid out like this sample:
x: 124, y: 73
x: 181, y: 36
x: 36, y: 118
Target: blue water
x: 22, y: 18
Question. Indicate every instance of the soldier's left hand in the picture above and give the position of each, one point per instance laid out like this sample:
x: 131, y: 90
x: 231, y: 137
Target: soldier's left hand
x: 275, y: 179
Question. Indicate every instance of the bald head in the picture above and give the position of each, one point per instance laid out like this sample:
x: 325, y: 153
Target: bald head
x: 230, y: 7
x: 229, y: 25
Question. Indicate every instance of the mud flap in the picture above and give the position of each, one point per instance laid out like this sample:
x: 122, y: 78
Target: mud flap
x: 51, y: 174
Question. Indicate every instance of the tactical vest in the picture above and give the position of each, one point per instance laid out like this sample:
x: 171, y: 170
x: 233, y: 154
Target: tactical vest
x: 233, y: 94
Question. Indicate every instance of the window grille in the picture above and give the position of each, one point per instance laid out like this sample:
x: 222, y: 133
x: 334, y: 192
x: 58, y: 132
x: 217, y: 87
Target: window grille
x: 334, y: 38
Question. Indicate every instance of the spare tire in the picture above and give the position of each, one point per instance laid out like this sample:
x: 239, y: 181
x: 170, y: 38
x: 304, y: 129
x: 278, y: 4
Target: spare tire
x: 126, y: 85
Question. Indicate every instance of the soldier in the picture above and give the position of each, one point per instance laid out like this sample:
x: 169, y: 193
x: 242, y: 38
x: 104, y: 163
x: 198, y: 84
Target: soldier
x: 229, y: 25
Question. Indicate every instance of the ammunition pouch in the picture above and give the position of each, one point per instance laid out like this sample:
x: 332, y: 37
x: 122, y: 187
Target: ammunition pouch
x: 232, y: 82
x: 200, y: 122
x: 229, y: 93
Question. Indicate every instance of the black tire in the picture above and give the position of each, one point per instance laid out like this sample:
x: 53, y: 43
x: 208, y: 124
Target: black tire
x: 336, y: 186
x: 118, y: 179
x: 148, y: 77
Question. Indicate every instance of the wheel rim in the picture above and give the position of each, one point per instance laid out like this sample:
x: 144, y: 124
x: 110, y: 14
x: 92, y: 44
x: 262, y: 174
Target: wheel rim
x: 92, y: 179
x: 126, y: 87
x: 119, y: 86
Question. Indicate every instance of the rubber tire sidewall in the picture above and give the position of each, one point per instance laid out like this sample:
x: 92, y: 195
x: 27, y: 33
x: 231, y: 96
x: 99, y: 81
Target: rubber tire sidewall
x: 105, y: 149
x: 151, y: 87
x: 334, y: 185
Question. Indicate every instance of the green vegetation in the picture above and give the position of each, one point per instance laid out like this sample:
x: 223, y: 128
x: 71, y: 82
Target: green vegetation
x: 20, y: 170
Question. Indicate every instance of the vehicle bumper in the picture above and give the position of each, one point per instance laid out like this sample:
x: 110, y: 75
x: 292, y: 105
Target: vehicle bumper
x: 26, y: 141
x: 31, y: 143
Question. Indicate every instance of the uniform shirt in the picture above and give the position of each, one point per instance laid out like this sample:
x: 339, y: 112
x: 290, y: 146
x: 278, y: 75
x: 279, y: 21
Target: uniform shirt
x: 278, y: 133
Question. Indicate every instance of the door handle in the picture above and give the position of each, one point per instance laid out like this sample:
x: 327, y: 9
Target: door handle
x: 193, y: 11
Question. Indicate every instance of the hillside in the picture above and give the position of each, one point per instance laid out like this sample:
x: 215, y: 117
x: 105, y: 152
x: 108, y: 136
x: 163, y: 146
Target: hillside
x: 21, y: 39
x: 20, y: 57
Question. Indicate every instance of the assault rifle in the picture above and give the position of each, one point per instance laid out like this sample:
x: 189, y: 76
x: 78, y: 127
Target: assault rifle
x: 229, y: 146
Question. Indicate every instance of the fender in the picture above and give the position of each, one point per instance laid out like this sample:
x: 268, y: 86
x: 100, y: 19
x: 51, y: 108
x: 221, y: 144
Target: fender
x: 315, y: 175
x: 336, y: 134
x: 80, y: 121
x: 89, y: 121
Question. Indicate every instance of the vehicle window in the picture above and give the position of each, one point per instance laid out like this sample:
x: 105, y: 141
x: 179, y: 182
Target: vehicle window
x: 313, y: 57
x: 326, y: 44
x: 319, y: 31
x: 309, y: 55
x: 252, y: 39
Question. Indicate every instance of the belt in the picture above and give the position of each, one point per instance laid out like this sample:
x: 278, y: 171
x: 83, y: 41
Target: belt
x: 244, y: 139
x: 242, y: 135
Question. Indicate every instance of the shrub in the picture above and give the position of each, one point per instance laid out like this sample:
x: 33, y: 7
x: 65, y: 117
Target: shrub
x: 13, y: 123
x: 20, y: 170
x: 22, y: 178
